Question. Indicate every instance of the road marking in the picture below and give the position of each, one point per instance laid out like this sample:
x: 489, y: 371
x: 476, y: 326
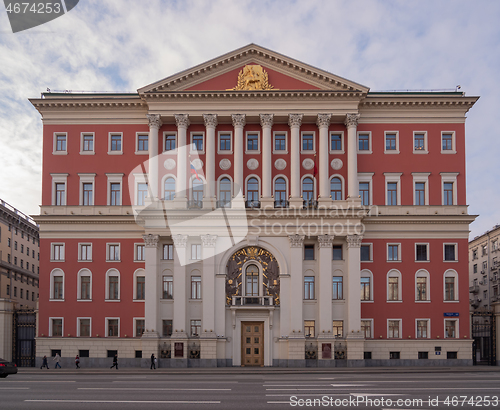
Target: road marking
x: 40, y: 381
x: 374, y: 394
x: 172, y: 381
x: 128, y: 401
x: 313, y: 385
x: 14, y: 388
x: 148, y: 389
x: 131, y: 377
x: 282, y: 402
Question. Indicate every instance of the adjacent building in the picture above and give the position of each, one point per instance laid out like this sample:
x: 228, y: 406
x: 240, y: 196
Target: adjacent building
x: 255, y: 210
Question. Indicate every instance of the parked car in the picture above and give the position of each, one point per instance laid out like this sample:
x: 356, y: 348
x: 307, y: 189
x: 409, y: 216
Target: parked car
x: 7, y: 368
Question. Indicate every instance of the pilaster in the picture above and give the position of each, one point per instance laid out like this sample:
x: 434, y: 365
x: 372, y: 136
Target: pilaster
x: 323, y: 123
x: 154, y: 121
x: 179, y: 320
x: 295, y: 121
x: 266, y: 121
x: 297, y: 284
x: 210, y: 125
x: 353, y: 323
x: 151, y: 302
x: 351, y: 123
x: 325, y: 284
x: 208, y: 286
x: 182, y: 122
x: 238, y: 124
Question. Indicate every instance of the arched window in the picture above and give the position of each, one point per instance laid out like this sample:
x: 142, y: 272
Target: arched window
x: 169, y: 189
x: 197, y: 190
x: 225, y: 192
x: 253, y: 191
x: 336, y: 189
x: 422, y: 285
x: 308, y: 189
x: 252, y: 281
x: 280, y: 192
x: 450, y: 285
x: 394, y: 285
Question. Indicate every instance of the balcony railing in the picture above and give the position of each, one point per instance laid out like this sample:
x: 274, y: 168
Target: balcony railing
x: 223, y: 204
x: 310, y: 204
x: 474, y: 289
x: 252, y: 301
x: 252, y: 204
x: 281, y: 203
x: 194, y: 204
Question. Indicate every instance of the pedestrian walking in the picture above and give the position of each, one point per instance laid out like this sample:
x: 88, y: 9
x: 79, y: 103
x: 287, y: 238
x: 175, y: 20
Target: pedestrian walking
x: 57, y: 358
x: 153, y: 361
x: 44, y: 363
x: 115, y: 362
x: 77, y: 362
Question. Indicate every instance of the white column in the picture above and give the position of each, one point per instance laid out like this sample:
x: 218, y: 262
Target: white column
x: 154, y: 121
x: 208, y: 285
x: 325, y: 285
x: 297, y: 283
x: 210, y: 124
x: 353, y: 325
x: 180, y: 295
x: 266, y: 121
x: 151, y: 301
x: 238, y: 123
x: 351, y: 123
x: 182, y: 121
x: 323, y: 123
x: 295, y: 120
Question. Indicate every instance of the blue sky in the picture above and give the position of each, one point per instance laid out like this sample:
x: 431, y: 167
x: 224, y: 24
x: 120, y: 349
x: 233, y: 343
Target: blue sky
x: 122, y: 45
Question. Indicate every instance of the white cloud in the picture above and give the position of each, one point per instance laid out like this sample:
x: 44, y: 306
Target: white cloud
x: 125, y: 44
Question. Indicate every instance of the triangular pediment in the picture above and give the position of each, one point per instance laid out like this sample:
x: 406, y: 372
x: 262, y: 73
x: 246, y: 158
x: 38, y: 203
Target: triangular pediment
x: 233, y: 70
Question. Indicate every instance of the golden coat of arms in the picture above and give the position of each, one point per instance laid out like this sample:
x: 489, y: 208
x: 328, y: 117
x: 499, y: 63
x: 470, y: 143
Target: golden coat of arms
x: 252, y: 77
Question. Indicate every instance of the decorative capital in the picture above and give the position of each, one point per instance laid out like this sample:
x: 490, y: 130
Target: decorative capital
x: 295, y: 120
x: 325, y: 241
x: 351, y: 120
x: 266, y: 120
x: 154, y: 121
x: 238, y: 120
x: 323, y: 120
x: 208, y: 241
x: 180, y: 241
x: 354, y: 241
x: 210, y: 120
x: 151, y: 240
x: 296, y: 240
x: 182, y: 120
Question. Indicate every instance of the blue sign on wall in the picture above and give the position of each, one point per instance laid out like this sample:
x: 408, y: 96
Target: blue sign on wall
x: 451, y: 314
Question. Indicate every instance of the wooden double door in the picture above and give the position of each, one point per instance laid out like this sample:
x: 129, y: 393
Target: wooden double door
x: 252, y: 343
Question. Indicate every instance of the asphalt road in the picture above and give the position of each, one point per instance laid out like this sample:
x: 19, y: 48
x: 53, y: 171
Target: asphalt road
x: 52, y: 389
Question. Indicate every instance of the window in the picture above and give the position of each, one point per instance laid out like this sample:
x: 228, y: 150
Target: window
x: 448, y: 143
x: 252, y: 281
x: 421, y: 288
x: 87, y: 146
x: 392, y: 193
x: 60, y: 144
x: 422, y: 328
x: 57, y: 288
x: 88, y: 190
x: 393, y: 252
x: 8, y: 290
x: 57, y: 252
x: 195, y: 327
x: 280, y: 141
x: 113, y: 287
x: 365, y: 288
x: 252, y: 142
x: 450, y: 329
x: 113, y: 327
x: 225, y: 193
x: 393, y: 189
x: 84, y: 327
x: 169, y: 189
x: 337, y: 252
x: 140, y: 286
x: 115, y: 144
x: 338, y: 292
x: 196, y: 251
x: 85, y: 252
x: 60, y: 193
x: 309, y: 252
x: 391, y: 143
x: 197, y: 142
x: 168, y: 287
x: 57, y: 327
x: 195, y: 287
x: 421, y: 252
x: 338, y: 328
x: 22, y: 248
x: 168, y: 252
x: 393, y: 329
x: 170, y: 142
x: 167, y: 328
x: 336, y: 189
x: 307, y: 142
x: 449, y: 191
x: 253, y: 191
x: 280, y: 198
x: 309, y: 288
x: 113, y: 253
x: 139, y: 252
x: 142, y: 193
x: 336, y: 141
x: 364, y: 192
x: 140, y: 325
x: 484, y: 250
x: 308, y: 190
x: 197, y: 192
x: 485, y: 265
x: 224, y: 142
x: 21, y: 293
x: 420, y: 193
x: 142, y: 142
x: 449, y: 288
x: 364, y: 143
x: 450, y: 252
x: 365, y: 253
x: 394, y: 355
x: 393, y: 288
x: 309, y: 328
x: 115, y: 193
x: 475, y: 268
x: 420, y: 142
x: 366, y: 328
x: 423, y: 355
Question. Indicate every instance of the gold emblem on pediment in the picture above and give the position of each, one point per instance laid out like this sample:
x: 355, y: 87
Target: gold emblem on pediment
x: 252, y: 77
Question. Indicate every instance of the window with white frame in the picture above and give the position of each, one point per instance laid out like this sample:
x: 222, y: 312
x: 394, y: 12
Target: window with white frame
x: 56, y: 326
x: 196, y: 251
x: 422, y: 328
x: 364, y: 142
x: 113, y: 252
x: 139, y: 326
x: 365, y: 188
x: 307, y: 141
x: 449, y: 188
x: 59, y: 182
x: 225, y: 146
x: 394, y: 328
x: 420, y: 188
x: 420, y: 142
x: 252, y: 192
x: 309, y: 287
x: 450, y: 287
x: 308, y: 190
x: 366, y: 285
x: 337, y: 142
x: 141, y: 143
x: 394, y: 252
x: 450, y: 252
x: 197, y: 142
x: 85, y: 252
x: 87, y: 143
x: 112, y: 327
x: 168, y: 252
x: 280, y: 193
x: 394, y: 285
x: 195, y: 287
x: 391, y: 142
x: 451, y: 328
x: 280, y: 142
x: 252, y: 142
x: 113, y: 285
x: 115, y: 143
x: 195, y: 327
x: 84, y: 326
x: 168, y: 287
x: 336, y: 189
x: 56, y: 285
x: 422, y: 285
x: 142, y: 193
x: 140, y: 286
x: 84, y: 285
x: 309, y: 328
x: 225, y: 193
x: 366, y: 252
x: 87, y: 189
x: 366, y: 328
x: 448, y: 143
x: 57, y: 252
x: 422, y: 252
x: 338, y: 288
x: 338, y: 328
x: 114, y: 197
x: 60, y: 144
x: 393, y: 188
x: 169, y: 189
x: 139, y: 252
x: 169, y: 141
